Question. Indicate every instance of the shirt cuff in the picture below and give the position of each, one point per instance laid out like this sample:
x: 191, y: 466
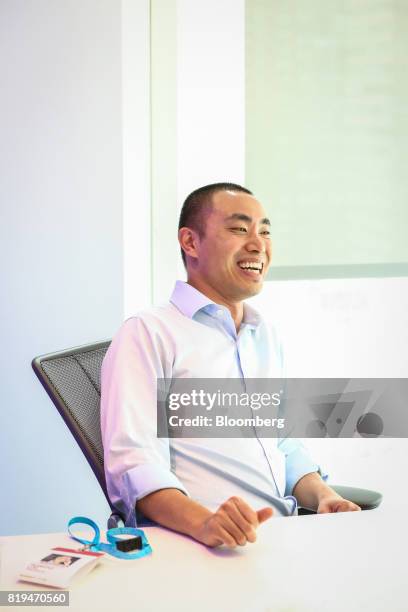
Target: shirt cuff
x: 141, y: 481
x: 298, y: 464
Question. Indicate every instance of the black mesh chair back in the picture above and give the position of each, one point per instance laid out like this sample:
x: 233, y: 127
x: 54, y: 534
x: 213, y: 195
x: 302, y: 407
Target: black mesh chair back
x: 72, y: 379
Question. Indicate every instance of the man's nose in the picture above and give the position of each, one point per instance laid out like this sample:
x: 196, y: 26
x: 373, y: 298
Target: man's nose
x: 255, y: 243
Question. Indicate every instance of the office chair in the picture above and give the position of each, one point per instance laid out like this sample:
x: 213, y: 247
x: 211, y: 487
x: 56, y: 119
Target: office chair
x: 72, y: 380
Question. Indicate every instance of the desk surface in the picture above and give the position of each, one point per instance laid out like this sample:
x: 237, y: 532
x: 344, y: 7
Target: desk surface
x: 348, y: 562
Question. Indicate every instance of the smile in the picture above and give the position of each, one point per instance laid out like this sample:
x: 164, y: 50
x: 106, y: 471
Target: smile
x: 251, y: 268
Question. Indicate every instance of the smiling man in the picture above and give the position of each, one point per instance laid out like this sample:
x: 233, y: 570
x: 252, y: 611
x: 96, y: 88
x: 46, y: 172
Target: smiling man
x: 217, y: 490
x: 227, y: 248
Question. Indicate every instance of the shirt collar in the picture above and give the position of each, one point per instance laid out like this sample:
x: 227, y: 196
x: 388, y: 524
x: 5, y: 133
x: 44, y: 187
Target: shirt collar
x: 189, y: 301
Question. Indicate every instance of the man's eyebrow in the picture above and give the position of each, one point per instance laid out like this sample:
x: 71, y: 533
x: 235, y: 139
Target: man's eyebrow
x: 242, y: 217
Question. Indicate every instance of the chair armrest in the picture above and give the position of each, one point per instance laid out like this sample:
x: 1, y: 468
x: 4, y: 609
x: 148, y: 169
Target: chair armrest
x: 366, y: 499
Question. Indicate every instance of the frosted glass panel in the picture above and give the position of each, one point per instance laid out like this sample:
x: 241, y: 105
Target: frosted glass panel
x: 327, y: 130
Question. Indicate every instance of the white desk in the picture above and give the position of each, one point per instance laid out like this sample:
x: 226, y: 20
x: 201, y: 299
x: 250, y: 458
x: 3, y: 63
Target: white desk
x: 348, y: 562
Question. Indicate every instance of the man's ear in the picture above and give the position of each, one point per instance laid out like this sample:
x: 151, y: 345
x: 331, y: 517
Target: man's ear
x: 189, y: 241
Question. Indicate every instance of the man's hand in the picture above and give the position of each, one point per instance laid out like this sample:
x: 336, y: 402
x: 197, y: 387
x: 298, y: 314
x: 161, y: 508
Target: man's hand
x: 234, y: 523
x: 336, y: 504
x: 311, y: 492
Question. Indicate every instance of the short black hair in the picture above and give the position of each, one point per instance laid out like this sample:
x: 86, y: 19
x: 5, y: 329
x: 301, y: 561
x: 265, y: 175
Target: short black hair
x: 199, y: 202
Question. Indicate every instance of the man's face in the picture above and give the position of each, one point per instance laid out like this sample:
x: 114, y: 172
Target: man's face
x: 235, y: 252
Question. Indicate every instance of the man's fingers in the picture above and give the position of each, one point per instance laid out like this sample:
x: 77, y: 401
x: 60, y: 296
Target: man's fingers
x: 247, y: 512
x: 342, y: 506
x: 336, y: 505
x: 233, y: 529
x: 264, y: 514
x: 233, y: 509
x: 347, y: 506
x: 226, y: 538
x: 235, y: 523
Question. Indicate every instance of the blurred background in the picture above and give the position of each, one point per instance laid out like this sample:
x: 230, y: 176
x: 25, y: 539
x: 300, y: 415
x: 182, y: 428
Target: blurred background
x: 111, y: 113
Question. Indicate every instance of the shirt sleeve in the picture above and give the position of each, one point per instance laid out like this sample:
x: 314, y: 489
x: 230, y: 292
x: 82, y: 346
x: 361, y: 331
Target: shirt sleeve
x: 298, y: 463
x: 136, y: 461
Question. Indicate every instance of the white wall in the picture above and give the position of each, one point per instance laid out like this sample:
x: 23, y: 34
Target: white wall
x: 61, y: 238
x: 342, y: 327
x: 136, y: 135
x: 210, y: 93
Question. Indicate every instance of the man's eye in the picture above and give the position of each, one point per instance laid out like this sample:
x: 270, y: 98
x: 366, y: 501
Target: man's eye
x: 239, y: 229
x: 266, y: 233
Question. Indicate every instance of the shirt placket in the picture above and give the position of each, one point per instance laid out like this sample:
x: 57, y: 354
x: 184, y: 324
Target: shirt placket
x: 247, y: 370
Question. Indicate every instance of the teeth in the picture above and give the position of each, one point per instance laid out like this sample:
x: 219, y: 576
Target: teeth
x: 251, y: 265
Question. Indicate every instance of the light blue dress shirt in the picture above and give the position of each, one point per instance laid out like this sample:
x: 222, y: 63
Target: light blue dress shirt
x: 191, y: 337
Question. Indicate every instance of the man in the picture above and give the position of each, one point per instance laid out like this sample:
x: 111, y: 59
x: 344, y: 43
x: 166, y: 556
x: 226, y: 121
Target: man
x: 216, y: 490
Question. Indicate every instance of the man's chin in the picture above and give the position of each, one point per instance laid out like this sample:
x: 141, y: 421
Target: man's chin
x: 251, y: 290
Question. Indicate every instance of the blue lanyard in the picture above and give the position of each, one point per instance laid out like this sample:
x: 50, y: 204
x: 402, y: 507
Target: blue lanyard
x: 111, y: 536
